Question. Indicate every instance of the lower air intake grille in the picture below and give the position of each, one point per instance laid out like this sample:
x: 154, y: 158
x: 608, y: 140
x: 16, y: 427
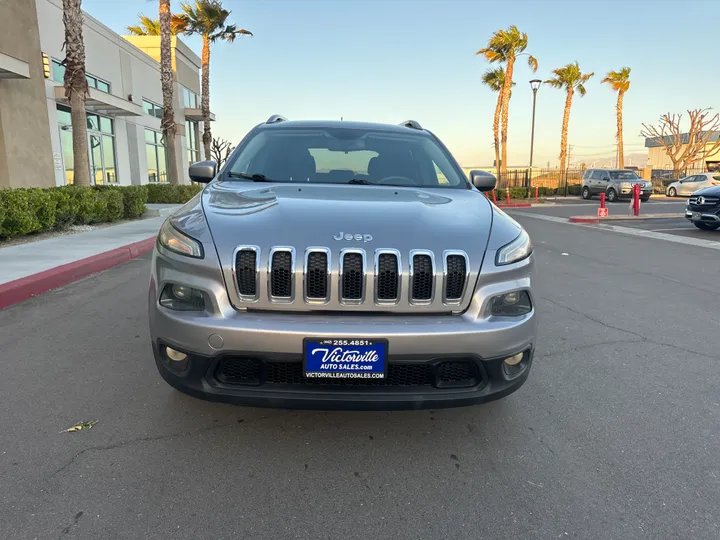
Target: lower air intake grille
x: 422, y: 279
x: 387, y: 279
x: 245, y: 271
x: 456, y: 273
x: 398, y: 375
x: 239, y: 371
x: 317, y: 275
x: 352, y: 277
x: 281, y: 274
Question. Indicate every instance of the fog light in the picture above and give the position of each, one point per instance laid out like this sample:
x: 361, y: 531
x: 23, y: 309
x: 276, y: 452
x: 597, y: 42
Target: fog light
x: 176, y: 356
x: 182, y: 298
x: 512, y: 304
x: 181, y: 292
x: 514, y: 360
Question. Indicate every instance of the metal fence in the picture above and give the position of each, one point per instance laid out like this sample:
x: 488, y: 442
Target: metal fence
x: 569, y: 182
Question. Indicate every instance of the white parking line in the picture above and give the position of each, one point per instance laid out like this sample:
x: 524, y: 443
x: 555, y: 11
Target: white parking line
x: 673, y: 229
x: 686, y: 240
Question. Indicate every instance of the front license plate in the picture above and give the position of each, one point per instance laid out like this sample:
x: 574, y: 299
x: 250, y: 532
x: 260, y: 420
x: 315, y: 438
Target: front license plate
x: 334, y: 358
x: 696, y: 216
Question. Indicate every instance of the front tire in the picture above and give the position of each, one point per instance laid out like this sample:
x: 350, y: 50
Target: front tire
x: 586, y: 193
x: 672, y: 192
x: 705, y: 226
x: 612, y: 195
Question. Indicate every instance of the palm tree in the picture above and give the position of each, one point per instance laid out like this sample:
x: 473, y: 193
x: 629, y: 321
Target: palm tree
x: 207, y: 18
x: 495, y: 80
x: 571, y: 79
x: 76, y: 89
x: 619, y: 81
x: 167, y: 81
x: 504, y: 47
x: 146, y: 26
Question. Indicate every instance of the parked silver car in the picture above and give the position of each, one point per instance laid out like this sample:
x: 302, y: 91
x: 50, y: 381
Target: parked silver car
x: 615, y: 183
x: 690, y: 184
x: 342, y: 265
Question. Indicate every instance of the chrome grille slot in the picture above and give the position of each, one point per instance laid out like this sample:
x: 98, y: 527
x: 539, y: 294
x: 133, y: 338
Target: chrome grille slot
x: 387, y: 276
x: 247, y: 266
x: 352, y: 276
x: 281, y: 274
x: 456, y: 275
x: 317, y: 278
x: 422, y: 276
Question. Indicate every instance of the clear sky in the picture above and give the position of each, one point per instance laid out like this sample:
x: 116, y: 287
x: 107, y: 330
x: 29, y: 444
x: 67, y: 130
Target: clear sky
x: 393, y: 60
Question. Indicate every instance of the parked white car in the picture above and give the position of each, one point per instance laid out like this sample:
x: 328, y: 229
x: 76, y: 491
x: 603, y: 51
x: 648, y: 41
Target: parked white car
x: 690, y: 184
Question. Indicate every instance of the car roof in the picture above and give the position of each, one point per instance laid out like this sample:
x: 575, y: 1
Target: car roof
x: 343, y: 124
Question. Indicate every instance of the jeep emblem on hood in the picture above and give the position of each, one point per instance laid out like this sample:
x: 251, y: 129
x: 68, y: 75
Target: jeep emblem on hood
x: 359, y: 237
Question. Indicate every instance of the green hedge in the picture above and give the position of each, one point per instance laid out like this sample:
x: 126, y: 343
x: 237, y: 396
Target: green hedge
x: 27, y: 211
x: 171, y: 193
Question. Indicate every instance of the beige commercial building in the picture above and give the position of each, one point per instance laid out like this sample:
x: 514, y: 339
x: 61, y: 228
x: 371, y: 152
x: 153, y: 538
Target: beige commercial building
x: 707, y: 161
x: 124, y: 108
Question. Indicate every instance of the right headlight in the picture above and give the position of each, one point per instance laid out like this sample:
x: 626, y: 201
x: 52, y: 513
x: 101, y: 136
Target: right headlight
x: 172, y: 239
x: 515, y: 251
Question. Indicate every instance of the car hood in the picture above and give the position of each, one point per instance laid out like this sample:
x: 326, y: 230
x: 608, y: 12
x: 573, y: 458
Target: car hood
x: 712, y: 191
x: 307, y: 215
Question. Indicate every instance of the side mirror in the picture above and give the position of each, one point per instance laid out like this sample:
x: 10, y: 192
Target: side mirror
x: 606, y: 178
x: 482, y: 180
x: 203, y: 171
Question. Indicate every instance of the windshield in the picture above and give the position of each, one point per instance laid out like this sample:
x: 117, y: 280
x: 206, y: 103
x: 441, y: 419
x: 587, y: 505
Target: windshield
x: 346, y: 155
x: 624, y: 175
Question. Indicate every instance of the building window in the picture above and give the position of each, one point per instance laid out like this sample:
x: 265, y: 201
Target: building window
x: 46, y: 65
x: 101, y: 147
x: 58, y: 75
x: 190, y: 99
x: 191, y: 139
x: 152, y: 109
x: 156, y: 158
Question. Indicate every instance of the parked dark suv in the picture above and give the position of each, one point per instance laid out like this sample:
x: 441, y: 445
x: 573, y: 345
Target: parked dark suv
x: 703, y: 208
x: 615, y: 183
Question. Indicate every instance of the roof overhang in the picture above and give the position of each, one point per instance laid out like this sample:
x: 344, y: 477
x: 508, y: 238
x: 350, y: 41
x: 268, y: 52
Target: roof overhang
x: 196, y: 114
x: 12, y: 68
x: 103, y: 103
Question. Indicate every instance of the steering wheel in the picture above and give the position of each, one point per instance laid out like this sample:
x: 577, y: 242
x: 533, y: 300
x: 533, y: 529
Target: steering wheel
x: 401, y: 180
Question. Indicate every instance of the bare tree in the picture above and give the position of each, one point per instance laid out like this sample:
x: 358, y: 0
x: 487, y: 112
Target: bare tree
x: 686, y: 148
x: 220, y: 151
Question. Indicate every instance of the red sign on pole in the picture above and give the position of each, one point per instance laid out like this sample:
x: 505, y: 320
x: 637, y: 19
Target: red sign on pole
x: 602, y: 212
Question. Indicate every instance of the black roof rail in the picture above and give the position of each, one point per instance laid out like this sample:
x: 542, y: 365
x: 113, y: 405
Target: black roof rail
x: 276, y: 118
x: 411, y: 124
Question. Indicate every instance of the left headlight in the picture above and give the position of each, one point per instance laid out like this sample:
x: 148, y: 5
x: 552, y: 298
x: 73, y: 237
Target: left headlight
x: 172, y: 239
x: 515, y: 251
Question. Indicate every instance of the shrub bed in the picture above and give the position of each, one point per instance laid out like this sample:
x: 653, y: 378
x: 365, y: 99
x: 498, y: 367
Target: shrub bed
x: 171, y: 193
x: 32, y: 210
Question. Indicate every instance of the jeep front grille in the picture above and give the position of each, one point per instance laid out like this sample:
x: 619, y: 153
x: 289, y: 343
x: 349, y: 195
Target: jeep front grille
x: 353, y: 277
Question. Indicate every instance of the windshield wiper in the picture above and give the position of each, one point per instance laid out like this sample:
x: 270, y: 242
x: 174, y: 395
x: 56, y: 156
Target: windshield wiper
x: 253, y: 177
x: 362, y: 181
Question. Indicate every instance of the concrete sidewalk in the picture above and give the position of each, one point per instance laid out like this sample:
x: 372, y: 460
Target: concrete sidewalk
x: 35, y: 267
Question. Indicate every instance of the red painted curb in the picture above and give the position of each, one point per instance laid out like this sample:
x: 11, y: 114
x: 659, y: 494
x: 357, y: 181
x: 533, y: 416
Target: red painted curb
x: 514, y: 205
x: 21, y: 289
x: 580, y: 219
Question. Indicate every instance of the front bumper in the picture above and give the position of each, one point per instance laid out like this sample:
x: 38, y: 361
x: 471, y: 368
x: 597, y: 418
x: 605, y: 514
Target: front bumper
x: 626, y: 193
x: 703, y: 215
x: 276, y: 381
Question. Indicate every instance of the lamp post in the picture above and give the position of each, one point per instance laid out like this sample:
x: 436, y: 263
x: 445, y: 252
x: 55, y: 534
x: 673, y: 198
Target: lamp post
x: 534, y: 84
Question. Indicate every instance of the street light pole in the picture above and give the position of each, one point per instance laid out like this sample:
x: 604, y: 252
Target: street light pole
x: 534, y: 84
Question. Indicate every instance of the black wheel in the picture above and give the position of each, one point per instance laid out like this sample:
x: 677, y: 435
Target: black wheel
x: 586, y: 193
x: 705, y: 226
x: 612, y: 195
x: 672, y: 192
x: 644, y: 199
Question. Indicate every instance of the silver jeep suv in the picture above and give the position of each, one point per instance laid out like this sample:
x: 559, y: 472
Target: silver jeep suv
x: 342, y: 265
x: 615, y: 183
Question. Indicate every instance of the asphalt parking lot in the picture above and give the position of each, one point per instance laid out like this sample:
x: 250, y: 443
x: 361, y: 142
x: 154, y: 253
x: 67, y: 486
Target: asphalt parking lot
x: 614, y: 435
x: 677, y: 226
